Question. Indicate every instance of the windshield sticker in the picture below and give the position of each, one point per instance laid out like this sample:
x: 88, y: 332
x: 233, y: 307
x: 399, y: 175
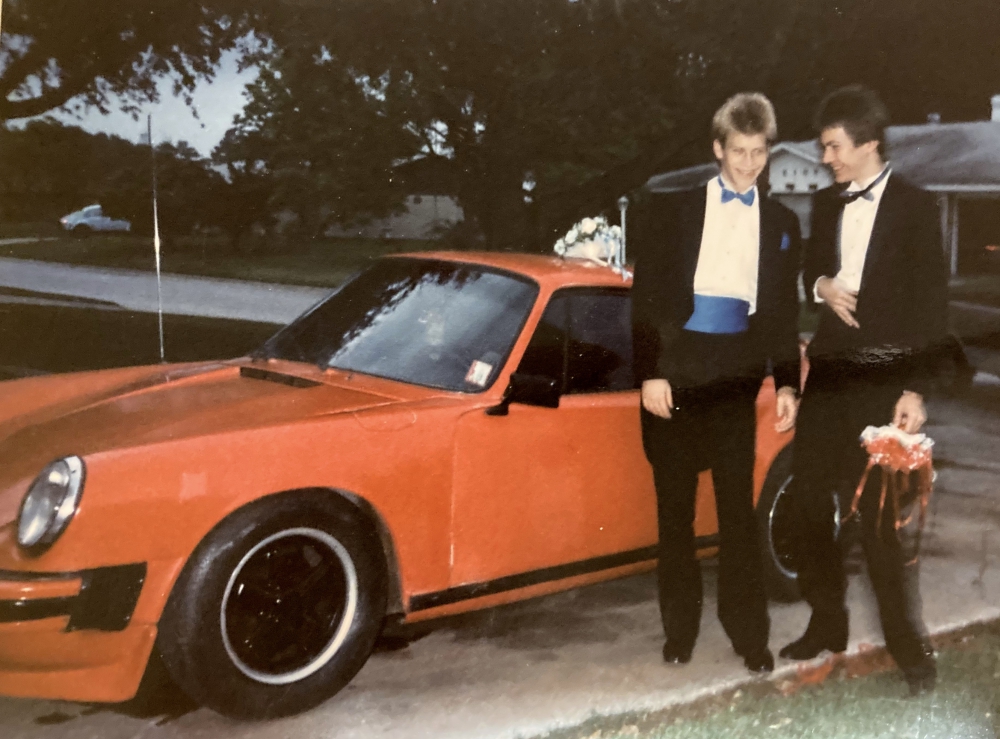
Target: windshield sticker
x: 479, y: 373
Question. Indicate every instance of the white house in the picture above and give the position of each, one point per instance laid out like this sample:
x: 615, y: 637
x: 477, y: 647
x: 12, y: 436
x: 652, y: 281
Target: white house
x: 423, y: 217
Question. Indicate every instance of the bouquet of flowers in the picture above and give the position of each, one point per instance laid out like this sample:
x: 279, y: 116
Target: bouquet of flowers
x: 594, y: 239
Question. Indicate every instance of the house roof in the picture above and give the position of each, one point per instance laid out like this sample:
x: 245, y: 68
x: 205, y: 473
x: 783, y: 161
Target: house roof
x: 682, y: 179
x: 948, y: 157
x: 959, y: 158
x: 808, y: 150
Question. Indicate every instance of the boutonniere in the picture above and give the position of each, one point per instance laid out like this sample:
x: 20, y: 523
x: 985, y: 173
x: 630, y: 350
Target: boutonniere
x: 786, y: 241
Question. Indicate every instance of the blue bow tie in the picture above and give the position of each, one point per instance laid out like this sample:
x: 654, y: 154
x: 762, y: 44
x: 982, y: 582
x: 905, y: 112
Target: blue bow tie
x: 727, y: 195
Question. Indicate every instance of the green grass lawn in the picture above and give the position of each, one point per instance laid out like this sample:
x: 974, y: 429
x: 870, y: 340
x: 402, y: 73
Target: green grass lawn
x: 320, y: 262
x: 39, y: 338
x: 965, y: 704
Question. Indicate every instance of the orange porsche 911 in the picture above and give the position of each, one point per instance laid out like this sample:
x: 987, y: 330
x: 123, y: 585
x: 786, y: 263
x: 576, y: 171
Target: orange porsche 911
x: 447, y: 432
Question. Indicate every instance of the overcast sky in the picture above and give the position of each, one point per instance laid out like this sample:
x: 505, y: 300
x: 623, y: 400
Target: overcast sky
x: 216, y: 103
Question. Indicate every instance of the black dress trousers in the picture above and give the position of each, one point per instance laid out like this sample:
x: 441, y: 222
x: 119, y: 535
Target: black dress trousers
x: 838, y: 403
x: 713, y: 426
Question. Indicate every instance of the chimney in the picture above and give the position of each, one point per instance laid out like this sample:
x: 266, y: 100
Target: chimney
x: 996, y: 108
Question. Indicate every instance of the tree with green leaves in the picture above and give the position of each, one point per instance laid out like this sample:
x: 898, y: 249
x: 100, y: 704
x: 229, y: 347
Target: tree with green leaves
x: 313, y: 140
x: 56, y: 51
x: 51, y: 169
x: 515, y: 99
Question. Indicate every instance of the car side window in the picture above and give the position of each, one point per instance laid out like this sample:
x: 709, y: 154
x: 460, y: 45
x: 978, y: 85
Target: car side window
x: 546, y: 353
x: 600, y: 346
x: 584, y: 340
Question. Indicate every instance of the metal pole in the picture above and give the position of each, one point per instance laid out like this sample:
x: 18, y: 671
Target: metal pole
x: 954, y: 236
x: 156, y: 236
x: 622, y: 208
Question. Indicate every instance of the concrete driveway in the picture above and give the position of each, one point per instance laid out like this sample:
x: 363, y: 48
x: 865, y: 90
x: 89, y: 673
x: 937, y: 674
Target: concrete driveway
x: 554, y: 662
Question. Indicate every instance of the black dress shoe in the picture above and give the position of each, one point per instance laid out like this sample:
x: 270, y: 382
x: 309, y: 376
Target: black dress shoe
x: 676, y: 654
x: 920, y: 683
x: 824, y: 632
x: 922, y: 677
x: 760, y: 661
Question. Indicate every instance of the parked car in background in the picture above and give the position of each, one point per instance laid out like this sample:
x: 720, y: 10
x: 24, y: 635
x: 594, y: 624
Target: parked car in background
x: 447, y: 432
x: 90, y: 220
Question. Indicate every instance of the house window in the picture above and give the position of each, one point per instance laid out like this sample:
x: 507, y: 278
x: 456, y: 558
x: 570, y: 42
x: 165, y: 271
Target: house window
x: 790, y: 186
x: 813, y: 186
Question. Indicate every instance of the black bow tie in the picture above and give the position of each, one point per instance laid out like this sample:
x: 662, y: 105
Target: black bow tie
x: 849, y: 196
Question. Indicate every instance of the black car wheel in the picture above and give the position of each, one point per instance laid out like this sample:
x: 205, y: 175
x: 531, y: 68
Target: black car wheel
x: 776, y: 523
x: 278, y: 608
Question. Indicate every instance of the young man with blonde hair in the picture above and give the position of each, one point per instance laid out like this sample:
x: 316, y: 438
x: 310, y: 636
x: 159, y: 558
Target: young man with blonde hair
x: 715, y: 308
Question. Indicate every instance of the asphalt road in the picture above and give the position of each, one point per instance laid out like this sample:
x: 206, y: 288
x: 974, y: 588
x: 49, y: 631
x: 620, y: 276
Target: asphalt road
x: 137, y: 291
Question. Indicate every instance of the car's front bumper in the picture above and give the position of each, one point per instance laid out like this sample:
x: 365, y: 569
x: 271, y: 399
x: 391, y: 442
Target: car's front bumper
x: 71, y: 635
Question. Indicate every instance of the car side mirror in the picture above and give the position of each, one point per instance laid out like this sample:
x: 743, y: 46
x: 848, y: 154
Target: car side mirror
x: 530, y: 390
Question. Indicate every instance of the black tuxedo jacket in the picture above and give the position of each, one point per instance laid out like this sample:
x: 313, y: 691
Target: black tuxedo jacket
x: 665, y: 234
x: 903, y: 300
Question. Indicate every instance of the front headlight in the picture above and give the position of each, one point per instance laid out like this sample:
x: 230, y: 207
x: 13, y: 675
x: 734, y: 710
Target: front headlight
x: 50, y: 504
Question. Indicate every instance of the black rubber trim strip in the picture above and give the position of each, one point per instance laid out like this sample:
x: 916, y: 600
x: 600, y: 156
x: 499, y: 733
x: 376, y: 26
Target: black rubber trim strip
x: 32, y: 610
x: 457, y: 594
x: 256, y: 373
x: 21, y: 576
x: 106, y: 600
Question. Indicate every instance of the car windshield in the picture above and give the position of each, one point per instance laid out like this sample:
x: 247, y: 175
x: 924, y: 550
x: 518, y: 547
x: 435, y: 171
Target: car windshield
x: 427, y: 322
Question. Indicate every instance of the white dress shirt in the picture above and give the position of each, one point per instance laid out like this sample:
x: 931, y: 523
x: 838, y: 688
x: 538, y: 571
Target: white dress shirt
x: 856, y: 225
x: 730, y: 247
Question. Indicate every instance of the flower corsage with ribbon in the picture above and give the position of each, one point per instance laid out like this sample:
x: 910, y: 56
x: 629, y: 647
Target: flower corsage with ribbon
x: 907, y: 469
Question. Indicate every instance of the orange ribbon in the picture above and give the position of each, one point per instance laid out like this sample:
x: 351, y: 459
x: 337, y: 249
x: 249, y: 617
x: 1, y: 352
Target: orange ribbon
x: 899, y: 465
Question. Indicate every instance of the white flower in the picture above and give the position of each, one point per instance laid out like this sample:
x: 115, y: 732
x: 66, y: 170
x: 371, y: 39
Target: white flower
x: 572, y: 235
x: 560, y: 247
x: 588, y: 226
x: 602, y: 220
x: 616, y: 231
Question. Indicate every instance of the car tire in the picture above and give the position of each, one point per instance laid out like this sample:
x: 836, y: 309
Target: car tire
x: 774, y: 523
x: 277, y: 608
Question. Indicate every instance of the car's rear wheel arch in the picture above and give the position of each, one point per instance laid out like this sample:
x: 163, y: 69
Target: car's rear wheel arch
x: 776, y: 530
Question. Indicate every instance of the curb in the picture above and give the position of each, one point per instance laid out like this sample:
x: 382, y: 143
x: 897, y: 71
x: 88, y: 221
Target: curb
x: 787, y: 680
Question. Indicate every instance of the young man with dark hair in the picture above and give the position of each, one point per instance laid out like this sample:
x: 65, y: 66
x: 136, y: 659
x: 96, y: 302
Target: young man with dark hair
x: 876, y: 271
x: 715, y: 305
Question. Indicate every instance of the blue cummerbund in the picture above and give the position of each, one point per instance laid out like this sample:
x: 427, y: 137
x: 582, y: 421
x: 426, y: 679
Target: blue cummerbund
x: 715, y: 315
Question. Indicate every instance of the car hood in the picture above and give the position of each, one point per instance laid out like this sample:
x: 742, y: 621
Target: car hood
x: 167, y: 405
